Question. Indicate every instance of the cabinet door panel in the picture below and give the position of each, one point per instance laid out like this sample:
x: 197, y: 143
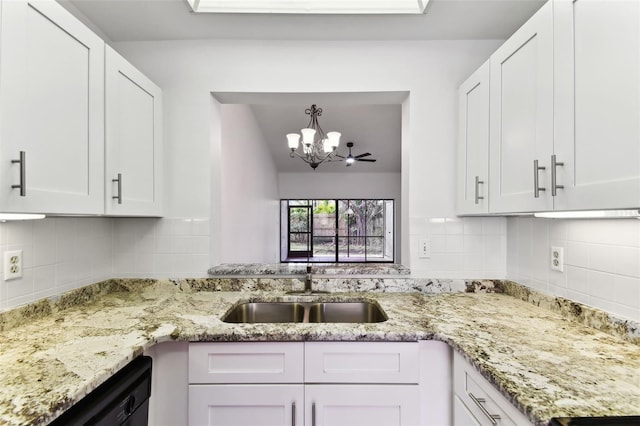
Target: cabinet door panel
x: 260, y: 405
x: 521, y: 129
x: 361, y: 362
x: 52, y: 109
x: 461, y: 414
x: 365, y: 405
x: 240, y: 362
x: 473, y: 143
x: 598, y: 104
x: 134, y: 139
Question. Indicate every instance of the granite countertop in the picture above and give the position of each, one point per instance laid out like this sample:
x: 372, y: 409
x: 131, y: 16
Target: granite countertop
x: 546, y: 365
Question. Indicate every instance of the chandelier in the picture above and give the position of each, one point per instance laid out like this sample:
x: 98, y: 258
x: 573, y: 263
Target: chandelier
x: 317, y: 148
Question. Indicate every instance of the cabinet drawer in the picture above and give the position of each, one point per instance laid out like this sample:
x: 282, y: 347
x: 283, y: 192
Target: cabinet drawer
x: 361, y: 362
x: 482, y: 399
x: 266, y: 362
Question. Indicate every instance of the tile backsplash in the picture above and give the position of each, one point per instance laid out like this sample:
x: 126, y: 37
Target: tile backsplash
x: 469, y: 247
x: 602, y: 260
x: 64, y: 253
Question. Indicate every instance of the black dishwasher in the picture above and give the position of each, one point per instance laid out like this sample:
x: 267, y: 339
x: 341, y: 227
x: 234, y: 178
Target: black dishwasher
x: 122, y: 400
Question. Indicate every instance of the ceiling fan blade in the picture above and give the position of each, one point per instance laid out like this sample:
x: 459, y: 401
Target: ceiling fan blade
x: 366, y: 159
x: 366, y: 154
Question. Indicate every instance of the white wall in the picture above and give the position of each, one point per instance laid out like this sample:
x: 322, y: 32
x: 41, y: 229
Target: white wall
x: 250, y: 209
x: 430, y: 71
x: 602, y: 260
x: 339, y: 185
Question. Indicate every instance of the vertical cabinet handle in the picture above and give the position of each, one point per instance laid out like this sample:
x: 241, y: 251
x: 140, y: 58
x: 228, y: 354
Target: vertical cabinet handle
x: 23, y: 174
x: 119, y: 196
x: 293, y: 414
x: 554, y: 185
x: 313, y: 414
x: 480, y: 403
x: 536, y: 183
x: 478, y: 197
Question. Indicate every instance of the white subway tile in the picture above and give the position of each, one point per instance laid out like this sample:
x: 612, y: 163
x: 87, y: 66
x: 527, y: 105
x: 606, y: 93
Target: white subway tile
x: 577, y: 254
x: 627, y: 261
x: 577, y: 279
x: 493, y: 225
x: 472, y: 226
x: 454, y: 226
x: 20, y: 287
x: 627, y: 291
x: 455, y: 243
x: 601, y: 285
x: 473, y: 243
x: 602, y: 257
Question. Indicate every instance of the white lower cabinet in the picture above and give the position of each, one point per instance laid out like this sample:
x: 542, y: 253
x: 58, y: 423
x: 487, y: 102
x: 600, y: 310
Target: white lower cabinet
x: 314, y: 383
x: 477, y: 402
x: 256, y: 404
x: 366, y: 405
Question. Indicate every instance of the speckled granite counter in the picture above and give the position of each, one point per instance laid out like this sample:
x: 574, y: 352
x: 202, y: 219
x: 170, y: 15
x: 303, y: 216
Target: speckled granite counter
x: 288, y: 269
x: 546, y: 365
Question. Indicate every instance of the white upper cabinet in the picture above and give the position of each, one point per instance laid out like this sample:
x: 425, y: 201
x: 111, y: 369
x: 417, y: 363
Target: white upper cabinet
x: 51, y: 110
x: 597, y: 103
x: 133, y: 140
x: 521, y: 125
x: 473, y: 144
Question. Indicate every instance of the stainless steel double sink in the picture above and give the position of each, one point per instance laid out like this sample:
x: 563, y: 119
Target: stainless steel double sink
x: 306, y: 312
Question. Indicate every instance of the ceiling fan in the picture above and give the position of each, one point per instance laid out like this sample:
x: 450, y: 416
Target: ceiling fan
x: 350, y: 159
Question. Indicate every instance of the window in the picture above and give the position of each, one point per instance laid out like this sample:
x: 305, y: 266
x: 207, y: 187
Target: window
x: 338, y: 230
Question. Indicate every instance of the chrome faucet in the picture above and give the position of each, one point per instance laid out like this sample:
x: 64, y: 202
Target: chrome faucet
x: 308, y: 281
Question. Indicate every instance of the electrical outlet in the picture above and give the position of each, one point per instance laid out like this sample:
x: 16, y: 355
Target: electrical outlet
x: 424, y: 249
x: 557, y: 258
x: 12, y: 264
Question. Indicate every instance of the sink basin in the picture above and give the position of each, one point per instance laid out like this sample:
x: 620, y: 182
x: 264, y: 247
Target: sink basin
x: 346, y: 312
x: 266, y: 312
x: 312, y: 312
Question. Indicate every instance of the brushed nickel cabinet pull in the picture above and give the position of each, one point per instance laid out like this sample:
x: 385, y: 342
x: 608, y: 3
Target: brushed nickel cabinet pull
x: 478, y: 197
x: 536, y: 183
x: 293, y: 414
x: 554, y: 172
x: 313, y: 414
x: 23, y: 174
x: 119, y: 196
x: 480, y: 403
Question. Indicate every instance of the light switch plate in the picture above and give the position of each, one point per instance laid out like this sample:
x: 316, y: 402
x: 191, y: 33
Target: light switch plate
x: 424, y: 250
x: 12, y: 264
x: 557, y: 258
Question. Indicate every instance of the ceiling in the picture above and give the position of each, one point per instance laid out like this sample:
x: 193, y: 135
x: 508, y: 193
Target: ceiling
x: 371, y: 120
x: 138, y: 20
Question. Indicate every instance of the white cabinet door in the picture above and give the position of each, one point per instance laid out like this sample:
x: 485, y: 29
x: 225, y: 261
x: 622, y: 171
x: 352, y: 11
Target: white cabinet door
x: 597, y: 103
x: 361, y: 362
x: 133, y: 140
x: 52, y: 109
x: 521, y: 125
x: 473, y: 144
x: 461, y: 414
x: 362, y: 405
x: 246, y: 362
x: 241, y: 405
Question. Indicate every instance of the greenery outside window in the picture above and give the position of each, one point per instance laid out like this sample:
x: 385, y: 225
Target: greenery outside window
x: 337, y: 230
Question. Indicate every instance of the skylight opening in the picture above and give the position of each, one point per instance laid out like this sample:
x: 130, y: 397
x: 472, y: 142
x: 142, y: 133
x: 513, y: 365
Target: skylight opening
x: 327, y: 7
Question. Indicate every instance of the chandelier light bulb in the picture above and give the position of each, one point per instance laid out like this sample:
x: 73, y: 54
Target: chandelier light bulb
x: 334, y: 140
x: 307, y: 136
x: 293, y: 140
